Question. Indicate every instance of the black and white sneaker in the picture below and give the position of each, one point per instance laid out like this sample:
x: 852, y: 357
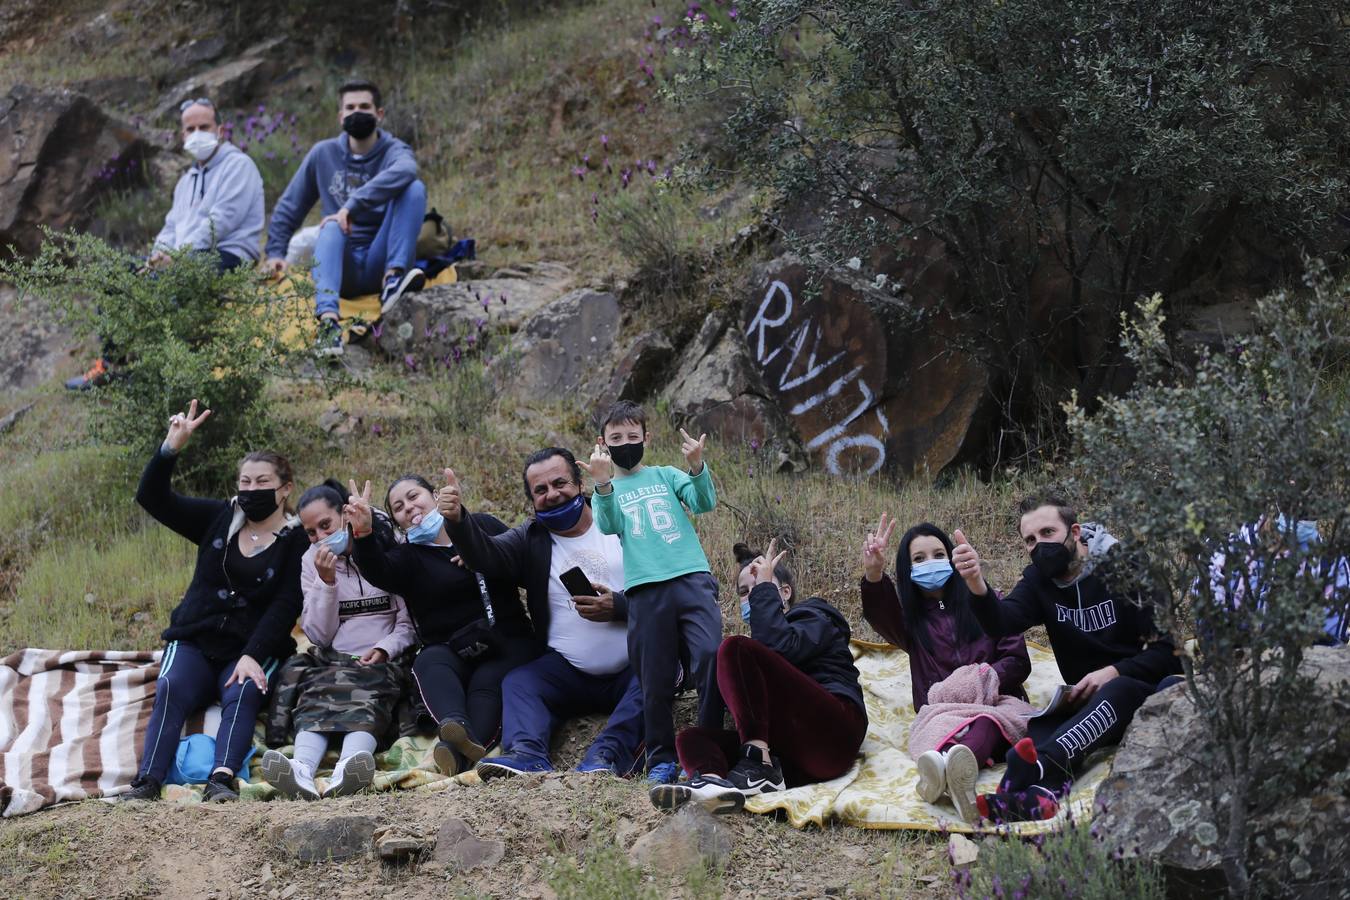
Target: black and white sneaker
x: 396, y: 284
x: 328, y: 342
x: 716, y: 795
x: 751, y: 775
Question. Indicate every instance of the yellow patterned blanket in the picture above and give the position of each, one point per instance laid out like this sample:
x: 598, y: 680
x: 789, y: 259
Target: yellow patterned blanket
x: 878, y: 792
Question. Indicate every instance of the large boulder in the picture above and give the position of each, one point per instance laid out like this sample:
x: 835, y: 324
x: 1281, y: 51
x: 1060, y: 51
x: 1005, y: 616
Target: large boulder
x: 1158, y: 800
x: 564, y: 346
x: 441, y: 324
x: 864, y: 378
x: 58, y: 152
x: 717, y: 389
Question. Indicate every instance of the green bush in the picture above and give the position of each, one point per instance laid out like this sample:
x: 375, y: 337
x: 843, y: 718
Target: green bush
x: 179, y: 333
x: 1070, y: 862
x: 1183, y: 462
x: 1064, y: 158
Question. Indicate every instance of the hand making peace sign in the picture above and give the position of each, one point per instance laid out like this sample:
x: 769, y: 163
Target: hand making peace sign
x: 181, y: 426
x: 874, y: 549
x: 357, y: 509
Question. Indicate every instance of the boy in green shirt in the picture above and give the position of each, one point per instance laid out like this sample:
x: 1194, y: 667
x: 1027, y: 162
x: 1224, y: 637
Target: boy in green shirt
x: 672, y: 596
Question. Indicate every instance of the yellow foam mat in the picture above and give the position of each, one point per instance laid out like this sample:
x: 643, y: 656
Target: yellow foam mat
x: 296, y: 293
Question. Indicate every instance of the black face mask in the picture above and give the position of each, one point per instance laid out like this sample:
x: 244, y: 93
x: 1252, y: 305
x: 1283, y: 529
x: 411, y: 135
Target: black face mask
x: 1052, y: 558
x: 259, y: 504
x: 359, y: 125
x: 626, y: 456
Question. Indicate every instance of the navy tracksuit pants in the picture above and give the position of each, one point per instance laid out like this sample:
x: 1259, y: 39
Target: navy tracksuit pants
x: 540, y: 694
x: 189, y: 682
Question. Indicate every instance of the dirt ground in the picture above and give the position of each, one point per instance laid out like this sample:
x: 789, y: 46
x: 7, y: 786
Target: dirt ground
x: 96, y: 849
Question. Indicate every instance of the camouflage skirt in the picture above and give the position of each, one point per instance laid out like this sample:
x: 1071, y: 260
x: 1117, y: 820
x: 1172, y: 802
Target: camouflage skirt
x: 338, y: 695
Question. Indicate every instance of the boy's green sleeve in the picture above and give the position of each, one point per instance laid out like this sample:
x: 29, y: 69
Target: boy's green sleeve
x: 608, y: 518
x: 695, y: 491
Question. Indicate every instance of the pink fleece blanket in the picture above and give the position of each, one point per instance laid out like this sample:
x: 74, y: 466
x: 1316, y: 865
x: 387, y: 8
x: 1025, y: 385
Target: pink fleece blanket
x: 962, y: 697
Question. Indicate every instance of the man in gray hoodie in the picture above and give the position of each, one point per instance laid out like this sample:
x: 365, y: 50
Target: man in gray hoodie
x: 217, y: 209
x: 373, y: 204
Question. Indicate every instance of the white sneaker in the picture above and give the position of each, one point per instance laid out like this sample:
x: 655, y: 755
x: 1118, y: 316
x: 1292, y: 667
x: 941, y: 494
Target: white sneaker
x: 962, y: 771
x: 932, y: 768
x: 351, y: 775
x: 289, y: 777
x: 716, y: 795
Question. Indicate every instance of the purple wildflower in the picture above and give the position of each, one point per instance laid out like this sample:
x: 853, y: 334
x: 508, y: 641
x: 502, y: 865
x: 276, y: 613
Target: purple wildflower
x: 410, y: 362
x: 376, y: 429
x: 604, y: 140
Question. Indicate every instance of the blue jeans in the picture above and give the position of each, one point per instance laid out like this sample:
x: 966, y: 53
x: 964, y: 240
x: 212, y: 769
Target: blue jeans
x: 188, y: 681
x: 539, y: 695
x: 347, y: 269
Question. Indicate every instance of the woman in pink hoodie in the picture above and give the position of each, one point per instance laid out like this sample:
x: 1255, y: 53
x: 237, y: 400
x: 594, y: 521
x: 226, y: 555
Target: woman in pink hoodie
x: 347, y: 682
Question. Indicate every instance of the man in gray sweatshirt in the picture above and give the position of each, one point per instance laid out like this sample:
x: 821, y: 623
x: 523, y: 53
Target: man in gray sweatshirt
x: 217, y: 209
x: 365, y: 181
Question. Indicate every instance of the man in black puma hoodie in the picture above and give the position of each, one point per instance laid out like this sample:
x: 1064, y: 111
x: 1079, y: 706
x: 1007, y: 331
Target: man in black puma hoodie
x: 1102, y: 632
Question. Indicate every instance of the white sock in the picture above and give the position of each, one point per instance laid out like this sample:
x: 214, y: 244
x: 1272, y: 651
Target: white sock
x: 310, y: 746
x: 353, y: 742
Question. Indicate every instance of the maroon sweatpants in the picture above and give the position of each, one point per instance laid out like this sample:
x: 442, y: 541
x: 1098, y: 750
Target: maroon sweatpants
x: 984, y: 740
x: 815, y: 734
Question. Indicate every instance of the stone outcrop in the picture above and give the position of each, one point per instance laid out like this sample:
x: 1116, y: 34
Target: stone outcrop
x: 230, y: 84
x: 565, y: 345
x: 441, y: 324
x: 1157, y: 800
x: 58, y: 152
x: 862, y: 379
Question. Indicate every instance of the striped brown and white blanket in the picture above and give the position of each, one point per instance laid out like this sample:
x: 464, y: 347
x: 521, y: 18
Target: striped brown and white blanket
x: 71, y: 723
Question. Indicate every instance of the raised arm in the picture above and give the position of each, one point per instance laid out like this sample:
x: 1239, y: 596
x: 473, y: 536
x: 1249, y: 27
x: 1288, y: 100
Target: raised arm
x: 320, y: 619
x: 503, y: 555
x: 880, y: 601
x: 188, y: 516
x: 608, y: 517
x: 695, y: 489
x: 999, y: 618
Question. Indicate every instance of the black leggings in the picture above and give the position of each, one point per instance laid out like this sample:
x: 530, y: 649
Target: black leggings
x: 1064, y: 742
x: 469, y: 691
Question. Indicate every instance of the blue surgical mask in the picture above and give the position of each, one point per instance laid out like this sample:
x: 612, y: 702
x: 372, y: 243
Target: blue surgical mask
x: 335, y: 542
x: 745, y: 609
x: 561, y: 518
x: 428, y: 530
x: 931, y: 574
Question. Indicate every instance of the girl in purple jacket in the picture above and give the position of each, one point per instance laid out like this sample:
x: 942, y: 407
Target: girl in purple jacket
x: 926, y: 612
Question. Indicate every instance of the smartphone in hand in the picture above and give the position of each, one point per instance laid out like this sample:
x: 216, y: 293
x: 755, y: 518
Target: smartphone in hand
x: 577, y: 584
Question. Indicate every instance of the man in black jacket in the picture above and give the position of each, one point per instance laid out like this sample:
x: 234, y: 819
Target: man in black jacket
x: 1100, y: 624
x: 585, y: 668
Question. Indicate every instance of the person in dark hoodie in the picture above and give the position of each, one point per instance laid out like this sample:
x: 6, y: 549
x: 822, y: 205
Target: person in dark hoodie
x: 927, y: 613
x: 792, y: 690
x: 1100, y: 625
x: 584, y: 667
x: 472, y: 629
x: 365, y: 181
x: 217, y: 211
x: 234, y: 623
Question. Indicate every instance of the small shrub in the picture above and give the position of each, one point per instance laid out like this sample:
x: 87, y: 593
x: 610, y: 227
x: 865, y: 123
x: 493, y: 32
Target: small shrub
x: 1190, y: 464
x: 1071, y: 861
x: 182, y: 332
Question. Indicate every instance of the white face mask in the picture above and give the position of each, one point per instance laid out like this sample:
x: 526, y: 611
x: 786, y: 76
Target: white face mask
x: 201, y: 144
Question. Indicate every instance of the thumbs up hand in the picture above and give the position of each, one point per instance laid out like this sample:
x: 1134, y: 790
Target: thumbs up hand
x: 966, y: 562
x: 447, y: 498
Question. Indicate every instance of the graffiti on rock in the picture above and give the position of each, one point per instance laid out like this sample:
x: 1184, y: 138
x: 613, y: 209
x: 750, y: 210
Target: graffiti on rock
x: 824, y: 381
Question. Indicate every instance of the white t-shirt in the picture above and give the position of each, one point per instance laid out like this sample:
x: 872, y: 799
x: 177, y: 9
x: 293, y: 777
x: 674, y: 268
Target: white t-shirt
x: 596, y: 648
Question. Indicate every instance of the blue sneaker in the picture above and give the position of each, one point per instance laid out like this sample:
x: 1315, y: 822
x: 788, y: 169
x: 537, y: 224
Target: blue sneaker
x: 595, y: 763
x: 508, y: 766
x: 663, y: 773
